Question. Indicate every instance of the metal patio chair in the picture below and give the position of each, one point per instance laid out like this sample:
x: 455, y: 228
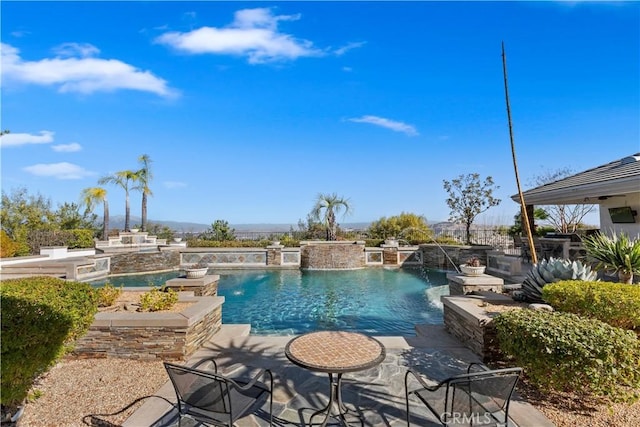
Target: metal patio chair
x: 215, y: 399
x: 475, y: 398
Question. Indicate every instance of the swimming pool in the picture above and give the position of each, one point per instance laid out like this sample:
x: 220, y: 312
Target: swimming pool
x: 375, y: 301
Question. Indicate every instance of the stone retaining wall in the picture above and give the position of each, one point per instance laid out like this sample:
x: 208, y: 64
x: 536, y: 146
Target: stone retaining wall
x: 152, y: 336
x: 466, y: 320
x: 136, y: 262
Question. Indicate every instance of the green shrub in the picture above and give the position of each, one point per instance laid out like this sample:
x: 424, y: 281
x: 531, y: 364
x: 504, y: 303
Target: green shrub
x: 41, y: 318
x: 617, y: 304
x: 446, y: 240
x: 8, y: 247
x: 373, y: 243
x: 563, y: 351
x: 289, y: 241
x: 201, y: 243
x: 108, y: 294
x: 80, y: 238
x: 157, y: 299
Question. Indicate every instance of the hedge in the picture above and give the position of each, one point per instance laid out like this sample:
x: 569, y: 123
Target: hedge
x: 563, y: 351
x: 617, y: 304
x: 41, y: 318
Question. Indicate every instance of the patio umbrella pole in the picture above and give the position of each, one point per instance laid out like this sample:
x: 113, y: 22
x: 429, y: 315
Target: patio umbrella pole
x: 523, y: 211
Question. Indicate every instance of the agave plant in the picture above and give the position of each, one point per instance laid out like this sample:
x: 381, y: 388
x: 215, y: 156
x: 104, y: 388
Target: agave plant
x: 551, y: 271
x: 615, y: 253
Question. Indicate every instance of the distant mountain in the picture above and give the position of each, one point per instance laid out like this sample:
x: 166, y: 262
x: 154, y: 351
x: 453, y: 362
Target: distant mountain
x: 117, y: 221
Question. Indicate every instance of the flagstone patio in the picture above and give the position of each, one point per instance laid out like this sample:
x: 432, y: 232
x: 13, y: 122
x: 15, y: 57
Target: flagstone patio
x: 377, y: 393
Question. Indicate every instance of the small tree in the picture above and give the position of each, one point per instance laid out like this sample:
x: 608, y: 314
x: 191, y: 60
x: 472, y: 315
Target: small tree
x: 92, y: 195
x: 312, y: 229
x: 406, y: 225
x: 330, y: 204
x: 21, y: 213
x: 220, y: 230
x: 564, y: 218
x: 469, y: 197
x: 516, y: 228
x: 69, y: 217
x: 123, y: 179
x: 144, y: 176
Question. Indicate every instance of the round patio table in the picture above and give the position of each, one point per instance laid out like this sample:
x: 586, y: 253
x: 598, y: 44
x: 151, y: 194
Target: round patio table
x: 334, y: 353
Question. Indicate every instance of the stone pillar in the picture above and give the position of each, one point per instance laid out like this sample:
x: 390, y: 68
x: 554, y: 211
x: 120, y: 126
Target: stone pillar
x: 462, y: 285
x: 389, y: 254
x: 206, y: 286
x: 274, y: 254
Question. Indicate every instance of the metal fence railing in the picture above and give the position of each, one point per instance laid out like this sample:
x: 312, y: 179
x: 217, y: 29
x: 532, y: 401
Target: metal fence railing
x: 491, y: 237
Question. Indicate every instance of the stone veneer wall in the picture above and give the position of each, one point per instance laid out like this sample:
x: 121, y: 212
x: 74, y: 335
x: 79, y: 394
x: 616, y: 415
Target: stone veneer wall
x: 152, y: 336
x: 136, y: 262
x: 332, y: 255
x: 469, y: 323
x: 433, y: 256
x: 206, y: 286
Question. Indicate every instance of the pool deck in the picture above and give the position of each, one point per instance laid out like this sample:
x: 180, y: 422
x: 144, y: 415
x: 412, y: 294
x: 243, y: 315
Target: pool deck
x: 378, y: 393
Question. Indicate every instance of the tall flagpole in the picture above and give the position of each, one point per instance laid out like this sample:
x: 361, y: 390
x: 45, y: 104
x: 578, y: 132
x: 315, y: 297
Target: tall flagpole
x: 523, y: 210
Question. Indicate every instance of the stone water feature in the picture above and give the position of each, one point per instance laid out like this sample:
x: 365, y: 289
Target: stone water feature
x: 333, y: 255
x: 127, y: 241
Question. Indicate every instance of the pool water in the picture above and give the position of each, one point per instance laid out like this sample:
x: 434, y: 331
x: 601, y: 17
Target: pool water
x: 374, y: 301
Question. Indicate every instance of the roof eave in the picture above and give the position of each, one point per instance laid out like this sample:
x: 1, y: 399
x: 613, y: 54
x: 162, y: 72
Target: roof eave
x: 587, y: 193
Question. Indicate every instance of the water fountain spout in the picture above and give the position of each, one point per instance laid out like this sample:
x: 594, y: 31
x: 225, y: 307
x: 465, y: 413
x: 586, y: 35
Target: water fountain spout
x: 432, y: 240
x: 403, y: 242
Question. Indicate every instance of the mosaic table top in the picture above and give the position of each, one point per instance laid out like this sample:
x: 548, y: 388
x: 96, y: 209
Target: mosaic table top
x: 335, y: 351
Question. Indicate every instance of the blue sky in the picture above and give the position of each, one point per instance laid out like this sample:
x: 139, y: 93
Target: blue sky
x: 248, y: 110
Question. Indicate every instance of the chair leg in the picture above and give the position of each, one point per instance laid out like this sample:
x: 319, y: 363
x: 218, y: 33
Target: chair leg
x: 407, y: 403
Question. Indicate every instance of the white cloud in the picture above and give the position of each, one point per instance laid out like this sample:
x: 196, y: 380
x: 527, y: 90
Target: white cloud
x: 386, y: 123
x: 174, y: 184
x: 19, y: 33
x: 346, y: 48
x: 79, y: 73
x: 17, y: 139
x: 83, y: 50
x: 253, y: 33
x: 347, y: 69
x: 67, y: 148
x: 62, y: 170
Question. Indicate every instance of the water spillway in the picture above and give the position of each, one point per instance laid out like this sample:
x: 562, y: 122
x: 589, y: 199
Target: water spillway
x: 333, y: 255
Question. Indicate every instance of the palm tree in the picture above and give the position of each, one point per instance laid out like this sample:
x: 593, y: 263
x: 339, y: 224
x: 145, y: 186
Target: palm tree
x: 330, y: 204
x: 527, y: 225
x: 91, y: 196
x: 144, y: 177
x: 122, y: 179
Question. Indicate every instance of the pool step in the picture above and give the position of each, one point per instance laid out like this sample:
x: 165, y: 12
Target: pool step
x: 229, y: 332
x: 434, y: 336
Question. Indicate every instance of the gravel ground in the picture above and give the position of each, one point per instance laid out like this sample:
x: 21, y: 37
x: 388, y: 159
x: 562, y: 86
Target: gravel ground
x: 73, y: 390
x: 76, y: 389
x: 566, y: 409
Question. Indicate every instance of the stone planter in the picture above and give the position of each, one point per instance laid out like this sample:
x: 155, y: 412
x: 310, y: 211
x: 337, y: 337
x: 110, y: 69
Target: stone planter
x: 468, y: 270
x: 470, y: 320
x: 157, y: 335
x: 196, y: 273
